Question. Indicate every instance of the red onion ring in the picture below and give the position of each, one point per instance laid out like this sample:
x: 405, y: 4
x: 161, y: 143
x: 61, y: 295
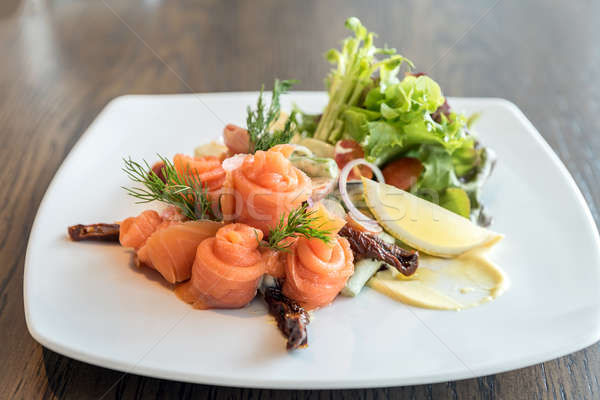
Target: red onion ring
x: 360, y: 218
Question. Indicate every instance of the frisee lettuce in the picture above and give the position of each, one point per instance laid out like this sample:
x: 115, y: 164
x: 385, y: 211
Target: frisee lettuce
x: 355, y: 64
x: 409, y: 117
x: 412, y: 119
x: 400, y: 117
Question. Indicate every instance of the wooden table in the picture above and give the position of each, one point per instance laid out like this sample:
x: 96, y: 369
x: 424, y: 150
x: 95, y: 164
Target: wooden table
x: 62, y: 61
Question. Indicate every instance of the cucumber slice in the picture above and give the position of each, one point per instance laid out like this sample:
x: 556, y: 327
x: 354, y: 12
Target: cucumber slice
x: 316, y: 167
x: 363, y: 271
x: 319, y: 147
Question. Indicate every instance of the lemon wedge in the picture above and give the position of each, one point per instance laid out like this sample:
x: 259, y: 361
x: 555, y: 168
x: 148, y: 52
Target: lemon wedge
x: 423, y: 225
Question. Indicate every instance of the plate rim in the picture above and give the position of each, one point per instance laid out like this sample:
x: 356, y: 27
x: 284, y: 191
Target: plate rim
x: 94, y: 359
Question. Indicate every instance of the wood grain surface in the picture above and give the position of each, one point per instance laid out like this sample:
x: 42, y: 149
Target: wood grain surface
x: 63, y: 60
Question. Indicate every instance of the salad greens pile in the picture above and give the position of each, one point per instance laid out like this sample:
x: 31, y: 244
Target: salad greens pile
x: 392, y: 118
x: 356, y: 63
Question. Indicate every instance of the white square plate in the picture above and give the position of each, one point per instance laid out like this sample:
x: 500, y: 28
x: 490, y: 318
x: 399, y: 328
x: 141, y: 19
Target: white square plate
x: 87, y: 301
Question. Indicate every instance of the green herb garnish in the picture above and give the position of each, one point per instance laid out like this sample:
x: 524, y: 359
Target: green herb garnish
x: 259, y: 121
x: 300, y: 222
x: 184, y: 192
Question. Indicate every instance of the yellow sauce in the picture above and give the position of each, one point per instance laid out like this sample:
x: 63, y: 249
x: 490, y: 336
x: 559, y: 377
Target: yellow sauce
x: 445, y: 284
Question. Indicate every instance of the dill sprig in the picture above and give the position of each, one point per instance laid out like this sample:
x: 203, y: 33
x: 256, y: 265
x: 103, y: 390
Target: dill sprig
x: 259, y: 120
x: 300, y: 222
x: 186, y: 192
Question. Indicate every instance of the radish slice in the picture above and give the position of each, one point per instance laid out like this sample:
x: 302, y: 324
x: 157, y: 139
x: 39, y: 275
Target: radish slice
x: 233, y: 163
x: 360, y: 218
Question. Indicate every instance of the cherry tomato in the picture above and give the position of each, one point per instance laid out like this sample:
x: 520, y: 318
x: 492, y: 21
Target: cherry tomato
x: 347, y: 150
x: 403, y: 173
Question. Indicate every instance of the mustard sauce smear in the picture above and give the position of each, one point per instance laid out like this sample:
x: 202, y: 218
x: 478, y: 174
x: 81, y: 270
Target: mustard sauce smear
x: 466, y: 281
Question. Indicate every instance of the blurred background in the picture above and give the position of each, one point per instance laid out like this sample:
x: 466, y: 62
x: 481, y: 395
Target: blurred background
x: 63, y: 60
x: 538, y: 54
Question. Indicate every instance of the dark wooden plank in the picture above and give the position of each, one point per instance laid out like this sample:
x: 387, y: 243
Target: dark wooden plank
x: 62, y: 61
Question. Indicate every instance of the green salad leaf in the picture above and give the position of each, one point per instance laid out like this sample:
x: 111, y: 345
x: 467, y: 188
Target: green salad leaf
x: 356, y: 119
x: 306, y: 123
x: 407, y: 108
x: 412, y: 119
x: 457, y: 201
x: 392, y: 117
x: 356, y: 62
x: 440, y: 174
x: 437, y: 174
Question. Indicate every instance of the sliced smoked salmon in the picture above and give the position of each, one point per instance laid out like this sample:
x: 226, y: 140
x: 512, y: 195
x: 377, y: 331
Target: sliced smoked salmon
x: 274, y: 262
x: 227, y: 199
x: 236, y: 139
x: 207, y: 169
x: 267, y: 186
x: 135, y: 230
x: 316, y: 271
x: 172, y: 248
x: 172, y: 213
x: 227, y: 269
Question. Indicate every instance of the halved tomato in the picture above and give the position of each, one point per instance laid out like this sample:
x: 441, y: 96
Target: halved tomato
x: 347, y: 150
x: 403, y: 173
